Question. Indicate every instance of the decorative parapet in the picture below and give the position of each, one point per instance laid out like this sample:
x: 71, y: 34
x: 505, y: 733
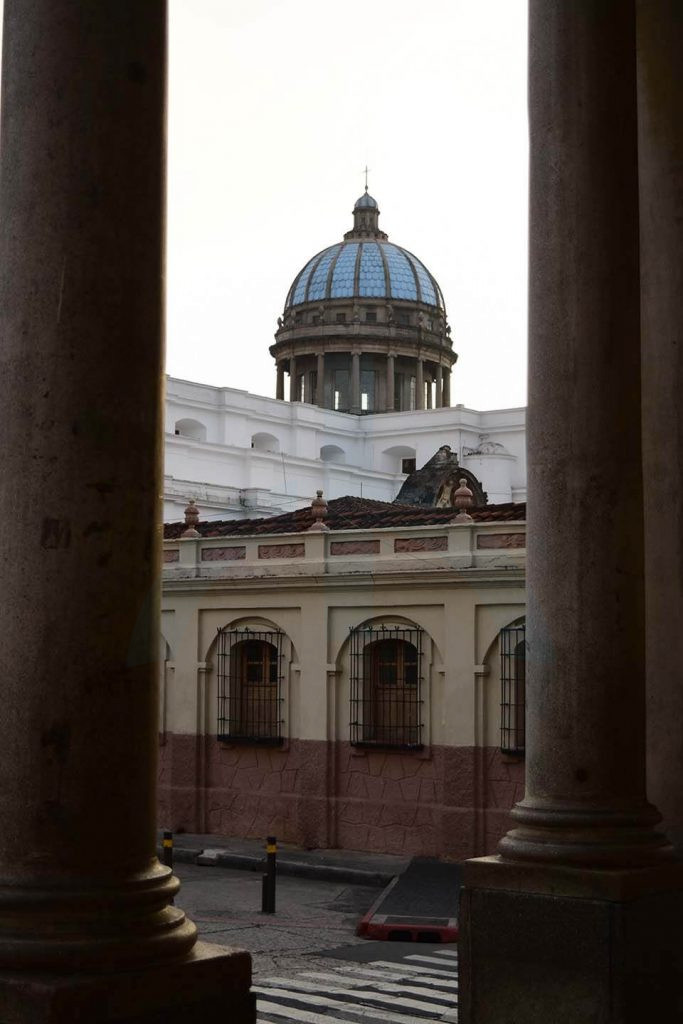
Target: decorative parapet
x: 463, y: 546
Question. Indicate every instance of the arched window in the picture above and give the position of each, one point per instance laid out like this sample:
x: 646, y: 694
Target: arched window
x: 513, y: 689
x: 249, y: 686
x: 386, y: 684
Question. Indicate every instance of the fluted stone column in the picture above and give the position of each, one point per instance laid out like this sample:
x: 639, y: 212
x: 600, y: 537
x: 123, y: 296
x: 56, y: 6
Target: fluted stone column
x: 390, y: 383
x: 420, y: 385
x: 584, y: 858
x: 355, y: 382
x: 439, y: 386
x: 280, y: 382
x: 320, y: 381
x: 87, y: 929
x: 660, y: 107
x: 293, y: 396
x: 447, y: 387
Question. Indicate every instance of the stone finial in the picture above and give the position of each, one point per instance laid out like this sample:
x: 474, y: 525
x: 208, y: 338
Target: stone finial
x: 319, y: 511
x: 191, y: 520
x: 463, y: 499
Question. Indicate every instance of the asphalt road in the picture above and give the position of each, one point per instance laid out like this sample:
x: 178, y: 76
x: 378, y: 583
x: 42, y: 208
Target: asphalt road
x: 314, y: 920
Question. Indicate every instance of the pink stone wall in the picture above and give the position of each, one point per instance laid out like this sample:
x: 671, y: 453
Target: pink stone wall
x: 448, y: 801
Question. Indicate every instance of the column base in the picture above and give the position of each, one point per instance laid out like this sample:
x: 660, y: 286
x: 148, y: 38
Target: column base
x: 210, y: 985
x: 570, y: 946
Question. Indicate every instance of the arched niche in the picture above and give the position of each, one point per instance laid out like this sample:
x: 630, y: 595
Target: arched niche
x: 263, y: 442
x: 190, y: 428
x: 393, y: 460
x: 332, y: 453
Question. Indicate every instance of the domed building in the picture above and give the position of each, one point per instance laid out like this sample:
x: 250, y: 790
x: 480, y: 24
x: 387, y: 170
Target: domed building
x: 364, y: 327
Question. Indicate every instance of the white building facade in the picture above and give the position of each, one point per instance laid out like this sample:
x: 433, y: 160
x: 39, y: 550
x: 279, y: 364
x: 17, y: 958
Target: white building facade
x: 242, y: 456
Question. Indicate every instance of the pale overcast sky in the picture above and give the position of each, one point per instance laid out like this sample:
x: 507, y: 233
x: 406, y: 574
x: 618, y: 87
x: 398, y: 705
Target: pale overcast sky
x: 275, y: 106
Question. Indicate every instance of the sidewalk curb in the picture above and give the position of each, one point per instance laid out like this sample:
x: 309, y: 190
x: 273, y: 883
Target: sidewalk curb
x: 301, y: 869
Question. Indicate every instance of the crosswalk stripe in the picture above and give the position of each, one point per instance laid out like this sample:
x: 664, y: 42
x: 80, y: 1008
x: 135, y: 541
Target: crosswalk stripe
x: 353, y: 1012
x: 425, y: 959
x: 370, y: 972
x: 380, y: 985
x: 452, y: 953
x: 291, y: 1012
x: 416, y: 969
x: 295, y: 986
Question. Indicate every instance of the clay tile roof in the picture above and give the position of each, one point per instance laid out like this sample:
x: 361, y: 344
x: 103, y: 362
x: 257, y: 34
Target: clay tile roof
x: 351, y: 513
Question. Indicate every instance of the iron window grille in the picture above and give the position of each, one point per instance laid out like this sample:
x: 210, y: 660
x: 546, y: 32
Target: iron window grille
x: 513, y: 689
x: 250, y: 675
x: 386, y: 687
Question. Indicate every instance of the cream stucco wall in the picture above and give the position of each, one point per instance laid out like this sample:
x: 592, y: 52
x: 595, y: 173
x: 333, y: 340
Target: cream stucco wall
x: 460, y: 598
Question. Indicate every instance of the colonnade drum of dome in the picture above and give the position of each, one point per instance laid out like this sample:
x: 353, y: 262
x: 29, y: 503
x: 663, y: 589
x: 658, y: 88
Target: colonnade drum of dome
x: 364, y: 327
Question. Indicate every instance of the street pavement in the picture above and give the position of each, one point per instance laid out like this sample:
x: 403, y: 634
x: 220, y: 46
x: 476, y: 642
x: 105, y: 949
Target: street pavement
x: 308, y: 964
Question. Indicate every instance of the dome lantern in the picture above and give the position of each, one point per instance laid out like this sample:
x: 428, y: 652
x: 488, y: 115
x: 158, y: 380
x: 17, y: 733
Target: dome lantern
x: 365, y: 218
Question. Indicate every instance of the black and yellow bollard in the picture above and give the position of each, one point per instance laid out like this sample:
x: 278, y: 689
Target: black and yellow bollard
x: 268, y: 881
x: 167, y: 849
x: 167, y: 846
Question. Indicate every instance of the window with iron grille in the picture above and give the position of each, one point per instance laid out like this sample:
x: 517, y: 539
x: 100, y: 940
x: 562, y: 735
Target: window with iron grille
x: 513, y: 689
x: 386, y: 687
x: 250, y: 669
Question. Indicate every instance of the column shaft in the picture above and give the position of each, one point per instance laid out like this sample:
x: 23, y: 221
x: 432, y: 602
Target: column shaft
x: 280, y: 382
x: 293, y: 382
x: 320, y: 381
x: 355, y: 382
x: 447, y: 388
x: 585, y: 859
x: 390, y: 383
x: 81, y: 260
x: 420, y: 386
x: 660, y: 108
x: 439, y: 386
x: 585, y: 768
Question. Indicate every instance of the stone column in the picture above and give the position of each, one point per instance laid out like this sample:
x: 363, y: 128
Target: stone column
x: 87, y: 930
x: 660, y: 107
x: 280, y: 382
x: 355, y: 382
x: 420, y: 385
x: 389, y: 405
x: 585, y: 800
x: 293, y: 395
x: 320, y: 386
x: 584, y: 858
x: 447, y: 387
x: 439, y: 386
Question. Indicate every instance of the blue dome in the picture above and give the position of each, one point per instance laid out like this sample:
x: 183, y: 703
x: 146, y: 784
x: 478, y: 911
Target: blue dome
x: 365, y: 200
x: 367, y: 269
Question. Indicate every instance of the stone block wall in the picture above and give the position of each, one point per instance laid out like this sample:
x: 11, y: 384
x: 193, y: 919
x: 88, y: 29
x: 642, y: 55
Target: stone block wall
x: 444, y: 801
